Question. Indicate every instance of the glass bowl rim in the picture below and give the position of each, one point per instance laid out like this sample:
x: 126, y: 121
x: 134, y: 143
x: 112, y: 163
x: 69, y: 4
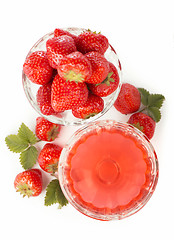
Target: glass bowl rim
x: 67, y: 148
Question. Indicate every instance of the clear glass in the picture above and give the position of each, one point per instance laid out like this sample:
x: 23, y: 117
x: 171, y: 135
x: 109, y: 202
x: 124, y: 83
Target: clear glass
x: 67, y: 117
x: 87, y: 207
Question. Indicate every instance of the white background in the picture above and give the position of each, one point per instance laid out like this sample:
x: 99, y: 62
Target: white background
x: 142, y: 32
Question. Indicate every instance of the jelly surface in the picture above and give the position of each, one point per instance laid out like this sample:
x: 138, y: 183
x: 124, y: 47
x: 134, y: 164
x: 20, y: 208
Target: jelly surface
x: 108, y: 169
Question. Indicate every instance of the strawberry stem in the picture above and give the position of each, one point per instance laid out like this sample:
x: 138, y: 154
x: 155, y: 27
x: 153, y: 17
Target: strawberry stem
x: 143, y: 109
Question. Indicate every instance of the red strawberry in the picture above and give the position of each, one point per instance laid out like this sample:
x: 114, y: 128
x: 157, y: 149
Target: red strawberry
x: 58, y: 47
x: 90, y: 41
x: 128, y: 100
x: 93, y: 106
x: 29, y: 182
x: 60, y: 32
x: 44, y: 99
x: 65, y: 95
x: 49, y: 157
x: 100, y: 67
x: 144, y: 123
x: 109, y: 85
x: 37, y: 68
x: 75, y: 67
x: 46, y: 130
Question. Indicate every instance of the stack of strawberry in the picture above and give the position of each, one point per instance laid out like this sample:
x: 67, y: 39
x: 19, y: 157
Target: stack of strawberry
x: 73, y: 72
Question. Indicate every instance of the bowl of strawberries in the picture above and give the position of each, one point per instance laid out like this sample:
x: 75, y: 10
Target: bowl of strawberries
x: 72, y: 76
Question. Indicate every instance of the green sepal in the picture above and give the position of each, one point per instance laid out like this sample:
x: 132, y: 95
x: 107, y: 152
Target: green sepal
x: 24, y: 190
x: 72, y: 76
x: 95, y: 32
x: 52, y: 168
x: 107, y: 80
x: 53, y: 133
x: 137, y: 125
x: 90, y: 115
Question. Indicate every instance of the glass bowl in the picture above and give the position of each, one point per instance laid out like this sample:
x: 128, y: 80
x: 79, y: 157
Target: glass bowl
x: 67, y: 118
x: 108, y: 170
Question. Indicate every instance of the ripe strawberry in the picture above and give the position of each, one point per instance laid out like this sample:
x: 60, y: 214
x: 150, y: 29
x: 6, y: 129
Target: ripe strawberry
x: 37, y: 68
x: 58, y: 47
x: 43, y: 97
x: 109, y: 85
x: 100, y: 67
x: 128, y: 100
x: 29, y: 182
x: 46, y: 130
x: 90, y: 108
x: 144, y: 123
x: 49, y: 157
x: 60, y: 32
x: 90, y: 41
x: 75, y: 67
x: 65, y: 95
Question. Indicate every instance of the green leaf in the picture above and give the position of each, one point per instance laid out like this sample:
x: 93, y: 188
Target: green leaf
x: 54, y: 194
x: 28, y: 157
x: 155, y: 100
x: 15, y: 143
x: 152, y: 103
x: 144, y: 96
x: 26, y: 134
x: 154, y: 113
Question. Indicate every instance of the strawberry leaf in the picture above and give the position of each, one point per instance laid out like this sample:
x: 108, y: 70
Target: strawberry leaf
x: 26, y: 134
x: 28, y: 157
x: 15, y: 143
x: 152, y: 103
x: 144, y: 96
x: 155, y: 100
x: 54, y: 194
x: 154, y: 113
